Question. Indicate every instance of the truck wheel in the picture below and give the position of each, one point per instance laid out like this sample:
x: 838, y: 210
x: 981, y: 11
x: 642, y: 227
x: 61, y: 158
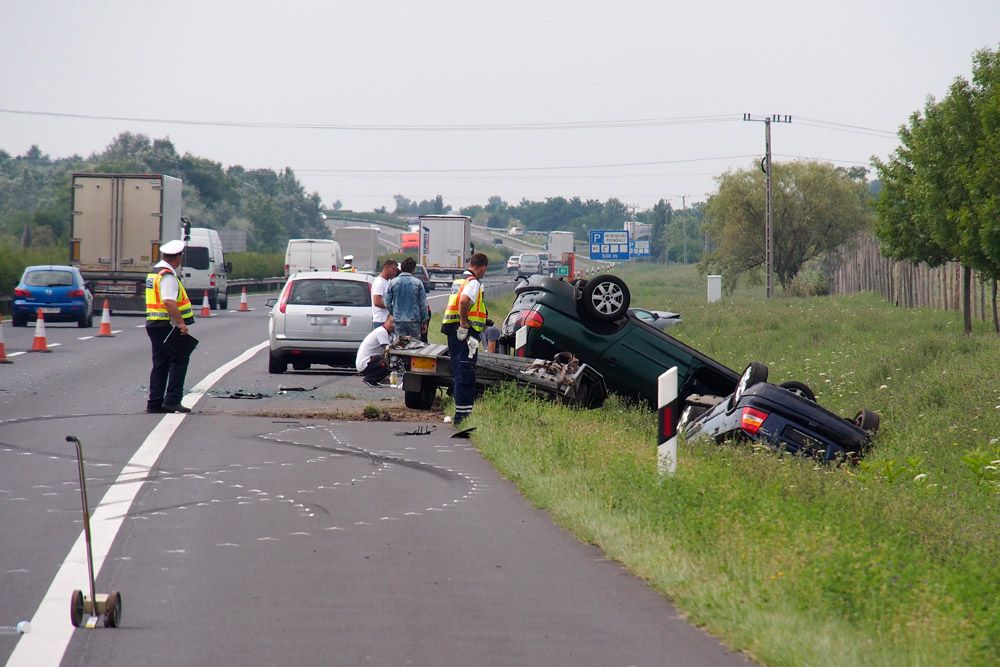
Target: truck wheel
x: 422, y: 399
x: 275, y: 366
x: 224, y: 302
x: 605, y: 298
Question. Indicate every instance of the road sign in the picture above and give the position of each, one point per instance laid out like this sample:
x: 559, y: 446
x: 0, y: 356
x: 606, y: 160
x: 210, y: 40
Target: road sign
x: 563, y: 270
x: 609, y: 244
x: 639, y: 248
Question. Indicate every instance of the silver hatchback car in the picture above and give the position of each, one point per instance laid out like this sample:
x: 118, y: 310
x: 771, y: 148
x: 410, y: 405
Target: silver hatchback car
x: 321, y: 317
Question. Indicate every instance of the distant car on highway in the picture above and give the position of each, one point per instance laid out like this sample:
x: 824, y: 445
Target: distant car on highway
x: 321, y: 317
x: 529, y: 264
x: 59, y: 291
x: 513, y: 263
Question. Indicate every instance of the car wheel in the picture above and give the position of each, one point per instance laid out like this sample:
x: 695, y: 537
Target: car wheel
x: 605, y: 298
x: 868, y: 421
x: 799, y: 389
x: 754, y: 373
x: 275, y: 366
x: 301, y: 365
x: 213, y: 304
x: 224, y: 303
x: 21, y: 321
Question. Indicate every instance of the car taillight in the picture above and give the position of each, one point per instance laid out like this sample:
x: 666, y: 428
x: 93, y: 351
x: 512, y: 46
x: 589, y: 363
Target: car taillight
x: 74, y: 294
x: 211, y: 280
x: 284, y: 297
x: 23, y: 293
x: 533, y: 319
x: 751, y: 420
x: 286, y: 270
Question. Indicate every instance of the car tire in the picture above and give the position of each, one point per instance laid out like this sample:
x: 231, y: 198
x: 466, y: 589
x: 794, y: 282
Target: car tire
x: 301, y: 365
x: 86, y: 321
x: 224, y: 303
x: 799, y: 389
x: 868, y: 421
x: 605, y: 298
x: 754, y: 373
x: 18, y: 321
x: 275, y: 366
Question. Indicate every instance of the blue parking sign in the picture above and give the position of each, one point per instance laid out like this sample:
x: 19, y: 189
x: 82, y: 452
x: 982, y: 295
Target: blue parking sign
x: 609, y: 245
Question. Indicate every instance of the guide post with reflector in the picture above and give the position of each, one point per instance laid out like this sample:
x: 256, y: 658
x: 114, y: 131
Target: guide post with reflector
x: 666, y: 395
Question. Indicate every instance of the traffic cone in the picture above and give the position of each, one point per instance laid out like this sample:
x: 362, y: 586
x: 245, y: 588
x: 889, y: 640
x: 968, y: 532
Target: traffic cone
x: 205, y: 310
x: 106, y: 322
x: 3, y: 348
x: 40, y: 344
x: 243, y: 301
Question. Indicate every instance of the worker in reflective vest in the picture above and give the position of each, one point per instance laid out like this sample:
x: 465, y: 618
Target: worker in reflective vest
x: 349, y: 264
x: 463, y: 320
x: 168, y: 312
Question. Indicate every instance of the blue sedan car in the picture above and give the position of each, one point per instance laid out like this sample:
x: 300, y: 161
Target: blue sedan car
x: 60, y: 292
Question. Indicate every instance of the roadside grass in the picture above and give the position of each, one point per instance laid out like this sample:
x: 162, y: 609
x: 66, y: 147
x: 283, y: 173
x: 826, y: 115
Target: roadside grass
x: 895, y: 561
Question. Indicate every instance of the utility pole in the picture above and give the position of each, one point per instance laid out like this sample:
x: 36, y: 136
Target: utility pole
x: 684, y: 227
x: 766, y: 167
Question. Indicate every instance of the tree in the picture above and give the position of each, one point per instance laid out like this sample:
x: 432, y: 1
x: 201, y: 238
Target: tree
x: 939, y: 194
x: 662, y: 212
x: 815, y: 209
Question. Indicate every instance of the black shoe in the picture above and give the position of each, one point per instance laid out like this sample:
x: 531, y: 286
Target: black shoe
x: 160, y: 410
x: 371, y: 384
x: 176, y: 408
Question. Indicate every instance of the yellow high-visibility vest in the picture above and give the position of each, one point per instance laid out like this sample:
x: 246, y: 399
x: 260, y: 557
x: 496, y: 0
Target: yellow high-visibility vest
x: 156, y: 310
x: 477, y: 314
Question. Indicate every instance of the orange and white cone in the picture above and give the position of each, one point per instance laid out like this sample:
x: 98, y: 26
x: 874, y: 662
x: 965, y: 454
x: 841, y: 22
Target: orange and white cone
x: 243, y: 301
x: 206, y: 311
x: 40, y: 344
x: 3, y: 348
x: 106, y: 321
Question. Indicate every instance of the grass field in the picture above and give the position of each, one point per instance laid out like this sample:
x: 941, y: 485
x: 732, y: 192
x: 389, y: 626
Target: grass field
x: 892, y: 562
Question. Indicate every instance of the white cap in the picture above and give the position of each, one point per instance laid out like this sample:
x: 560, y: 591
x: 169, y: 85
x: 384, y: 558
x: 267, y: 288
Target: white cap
x: 172, y: 248
x: 348, y: 258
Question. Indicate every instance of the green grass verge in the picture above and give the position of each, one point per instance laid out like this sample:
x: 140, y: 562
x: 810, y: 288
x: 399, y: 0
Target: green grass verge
x: 893, y: 562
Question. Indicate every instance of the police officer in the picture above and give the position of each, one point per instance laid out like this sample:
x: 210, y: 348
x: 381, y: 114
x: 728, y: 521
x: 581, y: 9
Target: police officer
x: 168, y: 309
x: 349, y: 264
x: 463, y: 319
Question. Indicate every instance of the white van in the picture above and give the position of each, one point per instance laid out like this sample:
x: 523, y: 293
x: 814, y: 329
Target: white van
x: 312, y: 255
x: 205, y: 269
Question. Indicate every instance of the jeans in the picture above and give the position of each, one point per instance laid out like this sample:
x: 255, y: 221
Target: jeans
x: 411, y: 329
x: 166, y: 380
x: 376, y: 369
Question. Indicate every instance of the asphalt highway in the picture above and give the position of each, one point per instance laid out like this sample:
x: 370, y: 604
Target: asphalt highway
x: 250, y: 533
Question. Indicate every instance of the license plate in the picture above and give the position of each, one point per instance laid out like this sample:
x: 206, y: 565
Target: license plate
x: 126, y: 288
x: 50, y: 311
x: 328, y: 320
x: 423, y: 364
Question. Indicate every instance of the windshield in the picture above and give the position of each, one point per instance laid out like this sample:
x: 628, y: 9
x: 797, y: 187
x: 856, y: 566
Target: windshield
x: 196, y: 257
x: 49, y: 278
x: 329, y: 292
x: 529, y: 259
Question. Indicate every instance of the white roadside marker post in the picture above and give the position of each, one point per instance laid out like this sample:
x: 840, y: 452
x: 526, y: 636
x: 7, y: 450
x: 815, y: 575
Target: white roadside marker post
x: 666, y: 395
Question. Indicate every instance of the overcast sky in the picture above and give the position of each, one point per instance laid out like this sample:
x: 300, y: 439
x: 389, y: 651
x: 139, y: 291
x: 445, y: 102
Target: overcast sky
x: 638, y: 100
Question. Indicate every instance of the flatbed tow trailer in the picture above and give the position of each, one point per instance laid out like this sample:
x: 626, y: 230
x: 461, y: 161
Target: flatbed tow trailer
x: 427, y: 366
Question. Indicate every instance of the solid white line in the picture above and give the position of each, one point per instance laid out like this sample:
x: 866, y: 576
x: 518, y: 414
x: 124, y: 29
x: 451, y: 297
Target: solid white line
x: 50, y: 628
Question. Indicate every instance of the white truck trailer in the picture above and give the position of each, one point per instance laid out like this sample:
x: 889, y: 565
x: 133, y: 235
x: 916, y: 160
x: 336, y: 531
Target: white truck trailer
x: 119, y: 222
x: 445, y: 246
x: 362, y: 243
x: 560, y: 243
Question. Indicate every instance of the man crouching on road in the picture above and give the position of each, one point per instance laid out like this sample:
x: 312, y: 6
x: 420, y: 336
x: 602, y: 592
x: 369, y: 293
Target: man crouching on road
x: 463, y: 320
x: 370, y: 361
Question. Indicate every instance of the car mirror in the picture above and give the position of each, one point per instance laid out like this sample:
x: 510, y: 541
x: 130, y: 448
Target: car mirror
x: 271, y: 301
x: 228, y: 266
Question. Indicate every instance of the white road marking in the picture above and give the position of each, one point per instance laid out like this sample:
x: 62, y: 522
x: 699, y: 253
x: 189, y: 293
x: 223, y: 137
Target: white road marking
x: 50, y: 633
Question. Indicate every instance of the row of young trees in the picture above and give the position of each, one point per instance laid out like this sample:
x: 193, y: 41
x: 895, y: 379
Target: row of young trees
x: 271, y: 206
x: 941, y: 188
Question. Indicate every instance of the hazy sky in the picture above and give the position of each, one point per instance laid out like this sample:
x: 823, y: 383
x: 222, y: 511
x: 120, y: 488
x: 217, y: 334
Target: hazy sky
x: 638, y: 100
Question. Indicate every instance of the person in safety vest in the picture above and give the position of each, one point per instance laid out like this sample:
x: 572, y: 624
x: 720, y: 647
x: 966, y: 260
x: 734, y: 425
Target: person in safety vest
x: 349, y: 264
x: 168, y: 312
x: 463, y: 320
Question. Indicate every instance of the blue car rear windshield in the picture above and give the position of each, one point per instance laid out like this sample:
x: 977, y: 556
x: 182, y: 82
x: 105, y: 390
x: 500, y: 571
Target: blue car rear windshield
x: 49, y: 278
x: 319, y: 292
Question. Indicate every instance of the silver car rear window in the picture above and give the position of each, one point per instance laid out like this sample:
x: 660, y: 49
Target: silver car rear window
x: 318, y: 292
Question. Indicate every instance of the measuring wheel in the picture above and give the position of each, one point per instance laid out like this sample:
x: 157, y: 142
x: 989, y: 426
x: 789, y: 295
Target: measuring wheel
x: 76, y: 608
x: 113, y: 610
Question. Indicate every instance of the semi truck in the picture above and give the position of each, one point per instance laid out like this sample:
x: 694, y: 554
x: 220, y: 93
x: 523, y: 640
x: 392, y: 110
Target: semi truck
x: 445, y: 246
x: 559, y: 242
x: 362, y: 243
x: 118, y: 223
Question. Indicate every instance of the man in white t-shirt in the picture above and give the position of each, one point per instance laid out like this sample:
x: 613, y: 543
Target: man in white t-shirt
x: 370, y: 361
x: 379, y: 311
